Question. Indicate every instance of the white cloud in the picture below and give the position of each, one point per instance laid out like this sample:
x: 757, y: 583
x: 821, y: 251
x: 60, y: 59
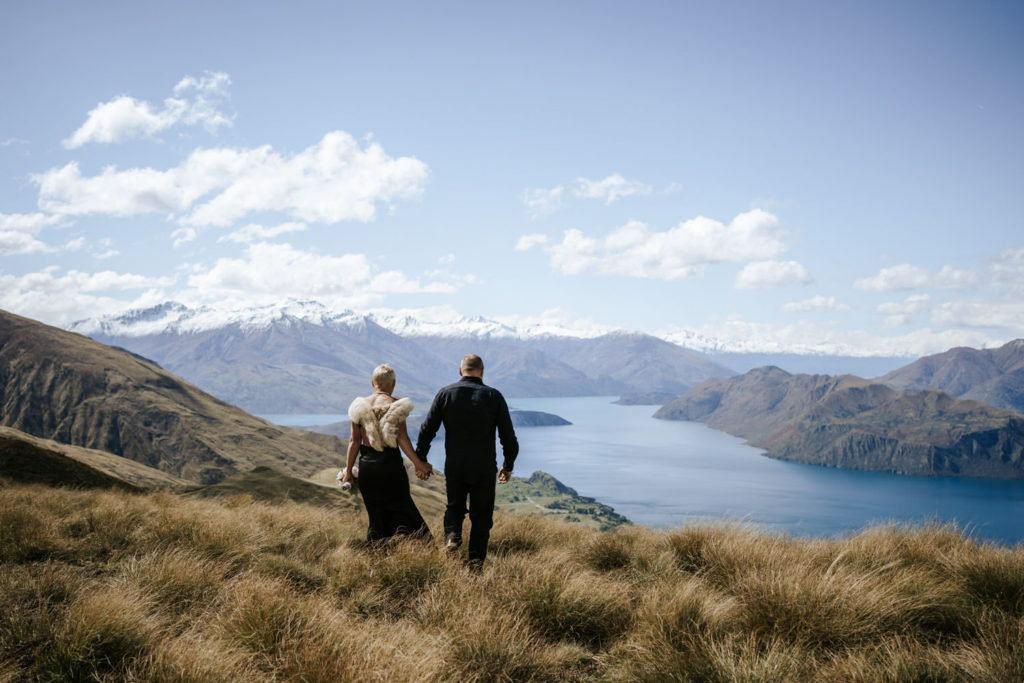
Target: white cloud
x: 1008, y: 271
x: 900, y: 313
x: 949, y: 277
x: 183, y: 236
x: 768, y: 274
x: 254, y: 233
x: 554, y: 321
x: 10, y: 142
x: 813, y: 337
x: 331, y: 181
x: 815, y: 304
x: 680, y: 252
x: 1001, y: 314
x: 195, y: 102
x: 270, y: 272
x: 14, y: 242
x: 609, y: 189
x: 540, y: 201
x: 529, y: 241
x: 18, y: 232
x: 59, y: 299
x: 906, y: 276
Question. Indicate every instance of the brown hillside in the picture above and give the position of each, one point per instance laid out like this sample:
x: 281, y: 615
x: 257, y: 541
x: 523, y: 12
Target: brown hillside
x: 66, y: 387
x: 994, y: 376
x: 855, y: 423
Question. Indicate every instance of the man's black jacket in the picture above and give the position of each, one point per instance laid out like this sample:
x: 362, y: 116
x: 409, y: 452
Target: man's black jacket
x: 470, y: 411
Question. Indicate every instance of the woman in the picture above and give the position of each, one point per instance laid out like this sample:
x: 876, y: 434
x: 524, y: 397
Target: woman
x: 378, y: 430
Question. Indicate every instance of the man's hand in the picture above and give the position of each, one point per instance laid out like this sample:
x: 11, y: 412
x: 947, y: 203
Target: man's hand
x: 504, y: 475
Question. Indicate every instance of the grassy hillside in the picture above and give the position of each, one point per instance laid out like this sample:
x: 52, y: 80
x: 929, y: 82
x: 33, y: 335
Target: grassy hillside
x: 62, y: 386
x: 107, y: 585
x: 24, y: 457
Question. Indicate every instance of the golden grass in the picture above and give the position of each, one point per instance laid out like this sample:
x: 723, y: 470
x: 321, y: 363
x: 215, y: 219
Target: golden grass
x: 115, y: 586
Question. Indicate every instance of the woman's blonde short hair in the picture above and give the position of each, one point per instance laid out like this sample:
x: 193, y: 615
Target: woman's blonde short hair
x: 383, y: 376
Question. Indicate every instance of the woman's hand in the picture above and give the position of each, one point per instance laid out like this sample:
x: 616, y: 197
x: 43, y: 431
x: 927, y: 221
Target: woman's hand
x: 347, y: 477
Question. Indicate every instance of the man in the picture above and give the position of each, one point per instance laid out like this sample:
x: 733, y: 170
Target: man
x: 471, y: 412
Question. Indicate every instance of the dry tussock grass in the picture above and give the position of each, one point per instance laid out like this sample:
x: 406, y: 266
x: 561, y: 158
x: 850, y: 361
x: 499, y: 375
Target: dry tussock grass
x: 114, y: 586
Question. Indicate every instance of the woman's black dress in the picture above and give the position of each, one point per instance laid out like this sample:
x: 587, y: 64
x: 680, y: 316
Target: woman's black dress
x: 384, y: 485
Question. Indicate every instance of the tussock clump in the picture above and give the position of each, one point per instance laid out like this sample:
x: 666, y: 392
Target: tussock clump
x: 607, y: 551
x: 262, y: 615
x: 581, y: 608
x: 24, y: 536
x: 522, y: 534
x: 208, y: 529
x: 406, y: 569
x: 193, y: 658
x: 692, y: 546
x: 103, y: 632
x: 304, y: 577
x: 181, y: 581
x: 995, y: 576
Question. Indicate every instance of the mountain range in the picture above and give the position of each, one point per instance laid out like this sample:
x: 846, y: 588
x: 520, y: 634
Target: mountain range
x: 855, y: 423
x: 994, y: 376
x: 301, y: 357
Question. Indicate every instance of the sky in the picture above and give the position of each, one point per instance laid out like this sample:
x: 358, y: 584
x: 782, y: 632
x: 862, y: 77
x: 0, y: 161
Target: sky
x: 804, y: 176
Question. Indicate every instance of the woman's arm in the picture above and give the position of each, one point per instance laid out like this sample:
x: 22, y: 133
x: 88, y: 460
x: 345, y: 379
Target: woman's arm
x: 354, y: 441
x: 423, y: 469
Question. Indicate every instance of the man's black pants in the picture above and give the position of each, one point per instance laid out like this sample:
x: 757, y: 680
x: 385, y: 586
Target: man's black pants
x: 481, y: 513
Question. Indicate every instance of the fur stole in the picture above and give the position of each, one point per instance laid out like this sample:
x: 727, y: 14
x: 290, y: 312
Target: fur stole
x: 384, y: 431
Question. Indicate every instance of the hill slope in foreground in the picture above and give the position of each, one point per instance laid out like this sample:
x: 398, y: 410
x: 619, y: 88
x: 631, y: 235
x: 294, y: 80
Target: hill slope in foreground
x: 858, y: 424
x: 110, y: 585
x: 62, y: 386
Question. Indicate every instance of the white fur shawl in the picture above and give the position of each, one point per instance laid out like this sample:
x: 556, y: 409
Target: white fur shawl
x: 383, y: 432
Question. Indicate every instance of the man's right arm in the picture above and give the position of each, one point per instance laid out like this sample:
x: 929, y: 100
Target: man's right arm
x: 428, y: 430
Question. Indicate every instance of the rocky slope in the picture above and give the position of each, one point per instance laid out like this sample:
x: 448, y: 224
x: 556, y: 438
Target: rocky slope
x: 71, y: 389
x: 994, y: 376
x: 858, y: 424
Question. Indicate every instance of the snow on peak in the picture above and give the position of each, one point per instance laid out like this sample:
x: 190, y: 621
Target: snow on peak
x: 176, y: 318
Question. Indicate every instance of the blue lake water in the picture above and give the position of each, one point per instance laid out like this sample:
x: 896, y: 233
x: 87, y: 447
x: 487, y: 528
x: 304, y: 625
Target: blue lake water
x: 666, y: 474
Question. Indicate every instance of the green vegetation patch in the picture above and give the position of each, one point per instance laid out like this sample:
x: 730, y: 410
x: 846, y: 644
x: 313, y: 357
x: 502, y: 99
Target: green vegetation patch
x: 543, y: 494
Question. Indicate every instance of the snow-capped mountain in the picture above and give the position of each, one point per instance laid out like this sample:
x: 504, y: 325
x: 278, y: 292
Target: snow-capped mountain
x: 301, y: 356
x: 175, y: 318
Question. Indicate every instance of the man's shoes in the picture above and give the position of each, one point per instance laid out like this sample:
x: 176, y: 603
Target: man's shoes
x: 451, y: 544
x: 475, y: 567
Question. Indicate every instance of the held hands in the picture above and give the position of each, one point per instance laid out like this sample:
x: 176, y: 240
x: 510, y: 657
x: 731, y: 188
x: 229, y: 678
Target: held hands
x: 424, y: 470
x: 504, y: 475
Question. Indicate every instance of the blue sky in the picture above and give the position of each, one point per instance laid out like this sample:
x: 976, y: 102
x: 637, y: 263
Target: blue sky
x: 811, y: 176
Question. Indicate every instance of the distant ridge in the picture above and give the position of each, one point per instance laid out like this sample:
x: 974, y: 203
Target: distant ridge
x: 301, y: 357
x: 856, y: 423
x: 995, y: 376
x: 66, y: 387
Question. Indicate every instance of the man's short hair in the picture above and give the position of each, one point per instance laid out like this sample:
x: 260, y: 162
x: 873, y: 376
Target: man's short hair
x: 383, y: 376
x: 471, y: 363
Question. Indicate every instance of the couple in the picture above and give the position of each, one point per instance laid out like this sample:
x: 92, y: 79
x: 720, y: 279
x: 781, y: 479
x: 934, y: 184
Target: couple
x: 471, y: 411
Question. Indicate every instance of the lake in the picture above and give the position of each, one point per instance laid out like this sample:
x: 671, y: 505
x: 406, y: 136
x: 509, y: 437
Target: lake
x: 666, y: 474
